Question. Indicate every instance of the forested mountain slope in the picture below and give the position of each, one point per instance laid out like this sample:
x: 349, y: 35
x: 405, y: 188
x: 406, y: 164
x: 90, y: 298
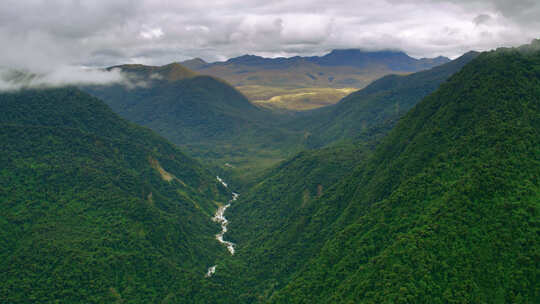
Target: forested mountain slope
x: 378, y: 106
x: 95, y: 209
x: 180, y: 104
x: 214, y: 122
x: 204, y: 115
x: 445, y: 210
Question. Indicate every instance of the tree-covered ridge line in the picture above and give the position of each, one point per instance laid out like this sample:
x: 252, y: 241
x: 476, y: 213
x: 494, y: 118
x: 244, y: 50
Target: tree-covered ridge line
x: 445, y: 210
x: 458, y: 174
x: 372, y: 111
x: 86, y: 218
x: 204, y: 116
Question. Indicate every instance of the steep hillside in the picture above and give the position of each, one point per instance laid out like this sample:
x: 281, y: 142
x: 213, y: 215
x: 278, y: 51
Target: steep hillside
x: 194, y: 63
x: 94, y: 209
x: 380, y: 103
x: 446, y: 210
x: 202, y: 114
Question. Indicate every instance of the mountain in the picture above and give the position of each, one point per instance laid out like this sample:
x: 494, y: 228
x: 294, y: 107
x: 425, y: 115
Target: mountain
x: 444, y: 210
x: 262, y: 79
x: 94, y: 209
x: 195, y: 63
x: 202, y: 114
x: 169, y: 73
x: 378, y: 106
x: 394, y: 60
x: 214, y: 122
x: 188, y: 107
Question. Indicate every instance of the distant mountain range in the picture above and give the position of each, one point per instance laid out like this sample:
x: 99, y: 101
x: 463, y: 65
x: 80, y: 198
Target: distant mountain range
x: 393, y: 60
x: 185, y: 106
x: 339, y: 68
x: 299, y: 83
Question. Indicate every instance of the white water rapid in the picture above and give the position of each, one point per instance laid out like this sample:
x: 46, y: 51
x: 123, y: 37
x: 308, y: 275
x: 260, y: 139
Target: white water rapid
x: 220, y: 218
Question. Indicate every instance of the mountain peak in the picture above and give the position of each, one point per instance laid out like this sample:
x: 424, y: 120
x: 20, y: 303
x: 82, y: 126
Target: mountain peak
x: 194, y: 63
x: 249, y: 59
x: 175, y: 71
x: 354, y: 51
x: 394, y: 59
x: 170, y: 72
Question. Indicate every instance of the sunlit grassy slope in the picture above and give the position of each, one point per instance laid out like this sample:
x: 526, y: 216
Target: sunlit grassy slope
x: 296, y: 99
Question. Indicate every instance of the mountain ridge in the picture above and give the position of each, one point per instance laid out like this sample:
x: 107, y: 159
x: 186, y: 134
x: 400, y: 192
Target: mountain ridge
x: 444, y: 210
x: 261, y: 79
x: 380, y: 104
x: 87, y: 211
x: 336, y: 57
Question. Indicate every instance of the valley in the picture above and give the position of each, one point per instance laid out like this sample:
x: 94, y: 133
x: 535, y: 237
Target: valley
x: 293, y: 99
x: 219, y: 217
x: 320, y: 152
x: 304, y: 83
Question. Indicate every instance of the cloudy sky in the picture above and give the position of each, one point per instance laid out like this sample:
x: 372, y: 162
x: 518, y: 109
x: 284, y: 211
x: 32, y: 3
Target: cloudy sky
x: 44, y: 34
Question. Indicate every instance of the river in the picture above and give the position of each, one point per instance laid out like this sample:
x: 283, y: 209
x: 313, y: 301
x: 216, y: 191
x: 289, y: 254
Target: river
x: 219, y: 217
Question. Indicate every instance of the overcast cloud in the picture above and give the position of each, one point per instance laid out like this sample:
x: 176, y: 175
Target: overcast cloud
x: 47, y: 35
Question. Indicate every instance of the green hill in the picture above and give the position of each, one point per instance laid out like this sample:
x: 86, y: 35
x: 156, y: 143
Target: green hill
x: 94, y: 209
x: 217, y: 124
x: 445, y: 210
x: 204, y: 115
x: 379, y: 104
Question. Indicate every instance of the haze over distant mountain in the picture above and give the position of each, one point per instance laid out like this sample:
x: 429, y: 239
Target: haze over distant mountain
x: 261, y: 78
x: 339, y: 68
x: 195, y: 63
x: 393, y: 60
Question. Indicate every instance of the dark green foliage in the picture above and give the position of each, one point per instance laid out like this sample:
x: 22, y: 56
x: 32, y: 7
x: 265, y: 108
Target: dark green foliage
x: 204, y: 115
x: 270, y: 217
x: 85, y: 216
x: 215, y: 123
x: 185, y: 111
x: 377, y: 106
x: 446, y: 210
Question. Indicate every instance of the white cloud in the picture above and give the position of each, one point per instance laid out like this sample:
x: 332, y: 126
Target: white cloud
x: 60, y: 76
x: 40, y: 35
x: 151, y: 33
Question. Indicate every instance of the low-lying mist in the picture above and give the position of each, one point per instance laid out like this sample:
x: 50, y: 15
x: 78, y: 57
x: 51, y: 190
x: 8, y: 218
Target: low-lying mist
x: 13, y: 79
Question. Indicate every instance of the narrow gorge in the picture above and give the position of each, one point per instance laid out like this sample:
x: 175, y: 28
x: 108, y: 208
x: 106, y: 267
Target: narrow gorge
x: 219, y: 217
